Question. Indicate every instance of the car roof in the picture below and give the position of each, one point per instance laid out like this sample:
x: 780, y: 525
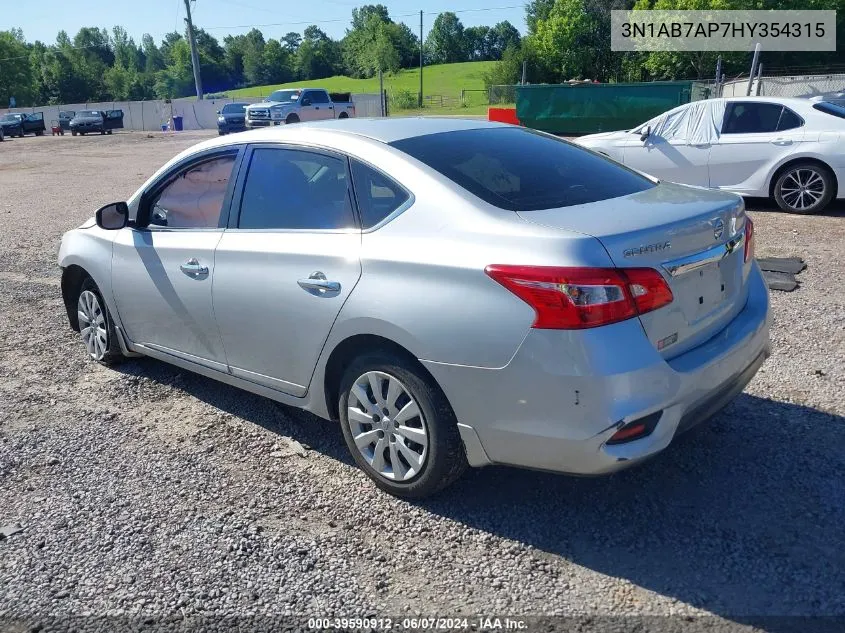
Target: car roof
x: 385, y: 130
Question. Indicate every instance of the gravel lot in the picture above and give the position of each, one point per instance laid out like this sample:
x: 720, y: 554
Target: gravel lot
x: 150, y: 492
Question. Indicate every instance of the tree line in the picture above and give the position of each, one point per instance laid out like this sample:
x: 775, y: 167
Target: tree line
x: 98, y: 65
x: 570, y: 39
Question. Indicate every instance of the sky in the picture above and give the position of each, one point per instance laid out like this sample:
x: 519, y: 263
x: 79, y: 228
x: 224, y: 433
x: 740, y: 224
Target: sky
x: 44, y: 19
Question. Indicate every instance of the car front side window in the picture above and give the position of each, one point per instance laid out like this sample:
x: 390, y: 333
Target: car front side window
x: 194, y: 197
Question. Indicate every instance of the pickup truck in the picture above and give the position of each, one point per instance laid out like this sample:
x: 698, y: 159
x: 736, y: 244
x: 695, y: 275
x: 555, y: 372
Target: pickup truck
x: 293, y: 105
x: 20, y: 123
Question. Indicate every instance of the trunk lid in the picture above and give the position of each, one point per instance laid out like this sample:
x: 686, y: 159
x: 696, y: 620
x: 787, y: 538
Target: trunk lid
x: 694, y: 237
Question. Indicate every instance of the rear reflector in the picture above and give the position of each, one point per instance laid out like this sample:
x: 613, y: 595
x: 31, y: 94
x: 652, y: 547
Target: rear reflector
x: 578, y: 298
x: 636, y: 429
x: 749, y: 238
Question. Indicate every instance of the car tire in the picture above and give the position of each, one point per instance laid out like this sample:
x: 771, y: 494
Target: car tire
x: 96, y: 327
x: 102, y: 132
x: 293, y: 118
x: 343, y: 115
x: 108, y: 131
x: 805, y: 188
x: 73, y: 132
x: 429, y: 431
x: 82, y: 134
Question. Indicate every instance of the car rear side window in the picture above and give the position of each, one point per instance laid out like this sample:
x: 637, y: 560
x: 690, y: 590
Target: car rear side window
x: 292, y: 189
x: 378, y: 195
x: 522, y: 170
x: 789, y: 120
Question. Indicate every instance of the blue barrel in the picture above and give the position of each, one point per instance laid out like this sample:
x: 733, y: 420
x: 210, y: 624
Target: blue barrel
x: 177, y: 123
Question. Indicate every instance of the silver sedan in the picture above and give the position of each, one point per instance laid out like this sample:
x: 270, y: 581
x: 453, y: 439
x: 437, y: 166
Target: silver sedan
x: 453, y: 292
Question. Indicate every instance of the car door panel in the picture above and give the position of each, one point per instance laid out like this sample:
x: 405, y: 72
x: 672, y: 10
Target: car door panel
x: 163, y: 267
x: 666, y: 152
x: 273, y: 328
x: 278, y: 289
x: 749, y: 144
x: 161, y: 304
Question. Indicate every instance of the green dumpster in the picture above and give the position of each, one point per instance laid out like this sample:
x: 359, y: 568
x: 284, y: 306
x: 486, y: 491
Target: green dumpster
x: 588, y: 108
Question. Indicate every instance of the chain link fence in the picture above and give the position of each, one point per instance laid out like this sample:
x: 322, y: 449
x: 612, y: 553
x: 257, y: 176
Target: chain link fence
x: 832, y: 85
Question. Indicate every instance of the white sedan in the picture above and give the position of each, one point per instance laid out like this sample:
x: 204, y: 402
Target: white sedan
x: 792, y: 150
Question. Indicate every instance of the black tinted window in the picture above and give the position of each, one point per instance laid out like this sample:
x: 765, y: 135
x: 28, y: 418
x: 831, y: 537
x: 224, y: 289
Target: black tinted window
x: 288, y: 189
x: 318, y: 96
x: 378, y: 196
x: 745, y: 118
x: 789, y: 120
x: 830, y: 108
x: 522, y: 170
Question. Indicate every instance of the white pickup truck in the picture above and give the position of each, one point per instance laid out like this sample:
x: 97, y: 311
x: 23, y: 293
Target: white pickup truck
x: 293, y: 105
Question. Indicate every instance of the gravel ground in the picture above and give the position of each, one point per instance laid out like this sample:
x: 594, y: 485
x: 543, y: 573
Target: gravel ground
x: 148, y: 492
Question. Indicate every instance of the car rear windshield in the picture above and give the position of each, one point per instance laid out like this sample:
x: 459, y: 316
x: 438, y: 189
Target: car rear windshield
x: 830, y: 108
x: 522, y: 170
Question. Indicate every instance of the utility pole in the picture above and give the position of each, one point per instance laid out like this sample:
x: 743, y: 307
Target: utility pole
x: 753, y: 69
x: 421, y: 57
x: 195, y: 58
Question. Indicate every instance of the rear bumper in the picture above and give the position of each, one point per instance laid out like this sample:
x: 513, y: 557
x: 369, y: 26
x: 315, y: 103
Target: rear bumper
x: 565, y: 393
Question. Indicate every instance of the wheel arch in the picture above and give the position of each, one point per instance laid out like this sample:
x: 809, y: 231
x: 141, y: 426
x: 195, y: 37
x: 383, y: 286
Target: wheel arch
x: 73, y: 277
x: 345, y: 352
x: 795, y: 161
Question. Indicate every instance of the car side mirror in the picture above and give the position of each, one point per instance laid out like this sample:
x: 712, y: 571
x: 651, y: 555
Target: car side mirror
x: 306, y: 102
x: 645, y: 133
x: 218, y: 112
x: 113, y: 216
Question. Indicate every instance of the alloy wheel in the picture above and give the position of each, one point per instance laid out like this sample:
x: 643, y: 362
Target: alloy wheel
x: 92, y: 324
x: 388, y: 426
x: 802, y: 188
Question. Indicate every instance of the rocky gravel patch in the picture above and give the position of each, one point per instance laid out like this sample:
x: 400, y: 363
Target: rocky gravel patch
x: 147, y: 494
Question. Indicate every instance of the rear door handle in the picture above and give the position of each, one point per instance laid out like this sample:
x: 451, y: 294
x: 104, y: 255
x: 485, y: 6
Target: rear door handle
x: 317, y: 281
x: 193, y: 268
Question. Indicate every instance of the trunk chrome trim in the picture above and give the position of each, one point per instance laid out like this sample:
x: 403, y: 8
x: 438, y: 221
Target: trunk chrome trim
x: 695, y: 261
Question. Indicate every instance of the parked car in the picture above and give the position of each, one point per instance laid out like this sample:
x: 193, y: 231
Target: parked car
x: 2, y: 138
x: 295, y: 105
x: 65, y: 117
x: 22, y: 123
x: 792, y: 150
x: 92, y: 121
x: 454, y: 292
x: 231, y: 118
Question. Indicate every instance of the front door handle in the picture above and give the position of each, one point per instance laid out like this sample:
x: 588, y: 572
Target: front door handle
x: 317, y: 281
x: 782, y: 141
x: 193, y: 268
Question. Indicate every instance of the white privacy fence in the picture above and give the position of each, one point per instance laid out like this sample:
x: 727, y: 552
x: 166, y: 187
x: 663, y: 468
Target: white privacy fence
x: 196, y: 115
x: 790, y: 86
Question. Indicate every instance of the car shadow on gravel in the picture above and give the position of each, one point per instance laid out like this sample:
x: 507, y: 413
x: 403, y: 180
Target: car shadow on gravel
x: 737, y: 517
x: 836, y: 209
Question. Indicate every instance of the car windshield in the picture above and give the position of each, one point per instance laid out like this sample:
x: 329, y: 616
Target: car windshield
x: 523, y: 170
x: 284, y: 95
x: 830, y: 108
x: 89, y: 113
x: 234, y: 108
x: 11, y: 117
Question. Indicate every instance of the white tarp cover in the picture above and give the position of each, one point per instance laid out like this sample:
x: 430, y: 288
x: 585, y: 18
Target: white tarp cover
x: 695, y: 123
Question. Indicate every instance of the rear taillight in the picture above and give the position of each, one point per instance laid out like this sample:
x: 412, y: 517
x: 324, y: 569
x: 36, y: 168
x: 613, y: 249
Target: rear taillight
x: 577, y: 298
x: 749, y: 238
